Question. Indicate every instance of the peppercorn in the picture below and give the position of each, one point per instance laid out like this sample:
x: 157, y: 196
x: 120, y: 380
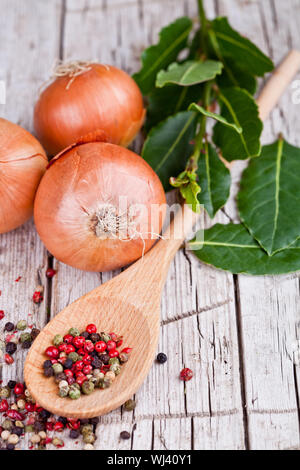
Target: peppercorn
x: 25, y: 337
x: 48, y: 372
x: 47, y: 364
x: 17, y: 430
x: 129, y: 405
x: 114, y: 360
x: 44, y: 414
x: 88, y: 387
x: 109, y: 377
x: 186, y: 374
x: 58, y: 340
x: 26, y: 345
x: 7, y: 424
x: 89, y: 438
x: 86, y: 428
x: 57, y: 442
x: 116, y: 368
x: 74, y: 434
x: 50, y: 273
x: 9, y: 326
x: 34, y: 333
x: 95, y: 337
x: 11, y: 384
x: 4, y: 392
x: 39, y: 426
x: 88, y: 447
x: 74, y: 332
x: 58, y: 368
x: 74, y: 393
x: 28, y: 428
x: 103, y: 384
x: 60, y: 377
x: 97, y: 363
x: 125, y: 435
x: 21, y: 325
x: 85, y: 334
x: 68, y: 363
x: 35, y: 439
x: 11, y: 348
x: 123, y: 357
x: 104, y: 358
x: 10, y: 447
x: 73, y: 356
x: 161, y: 358
x: 105, y: 337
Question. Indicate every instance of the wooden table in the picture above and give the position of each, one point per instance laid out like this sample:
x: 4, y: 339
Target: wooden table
x: 235, y: 332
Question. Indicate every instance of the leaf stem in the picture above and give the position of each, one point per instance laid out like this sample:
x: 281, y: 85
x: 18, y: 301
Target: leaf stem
x: 203, y: 21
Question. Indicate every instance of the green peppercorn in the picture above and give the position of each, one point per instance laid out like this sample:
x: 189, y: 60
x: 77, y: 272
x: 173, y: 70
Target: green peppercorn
x: 25, y: 337
x: 74, y: 393
x: 86, y: 429
x: 74, y: 332
x: 28, y: 428
x: 116, y: 368
x: 7, y: 424
x: 73, y: 356
x: 105, y: 337
x: 103, y: 384
x: 58, y: 340
x: 21, y: 325
x: 2, y: 345
x: 5, y: 392
x: 58, y: 368
x: 129, y: 405
x: 87, y: 387
x: 89, y: 438
x: 123, y: 357
x: 113, y: 360
x: 63, y: 392
x: 109, y: 377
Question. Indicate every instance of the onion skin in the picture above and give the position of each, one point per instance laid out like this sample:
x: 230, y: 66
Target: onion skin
x: 102, y: 100
x: 22, y: 164
x: 71, y: 193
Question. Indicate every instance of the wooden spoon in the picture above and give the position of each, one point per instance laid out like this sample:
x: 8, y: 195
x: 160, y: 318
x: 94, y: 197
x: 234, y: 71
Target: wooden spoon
x: 128, y: 304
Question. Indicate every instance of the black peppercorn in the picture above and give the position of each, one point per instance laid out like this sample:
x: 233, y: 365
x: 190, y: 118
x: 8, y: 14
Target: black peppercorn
x: 9, y: 326
x: 11, y: 348
x: 85, y: 334
x: 10, y: 447
x: 17, y: 430
x: 63, y: 420
x: 94, y: 421
x: 44, y: 414
x: 161, y: 358
x: 34, y: 333
x: 39, y: 426
x: 96, y: 363
x: 125, y: 435
x: 74, y: 434
x: 68, y: 364
x: 26, y: 344
x: 47, y: 364
x: 94, y: 337
x: 48, y: 372
x: 104, y: 358
x: 11, y: 384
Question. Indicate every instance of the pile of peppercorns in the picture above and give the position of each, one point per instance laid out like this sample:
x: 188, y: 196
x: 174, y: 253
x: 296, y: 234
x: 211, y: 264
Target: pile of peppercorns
x: 15, y: 335
x: 81, y: 362
x: 22, y: 416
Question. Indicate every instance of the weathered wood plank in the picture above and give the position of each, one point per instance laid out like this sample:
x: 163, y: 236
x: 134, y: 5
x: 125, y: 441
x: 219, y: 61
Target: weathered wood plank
x: 268, y: 305
x: 29, y: 37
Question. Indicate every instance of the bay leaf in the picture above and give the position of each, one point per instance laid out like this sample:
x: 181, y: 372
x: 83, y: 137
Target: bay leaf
x: 269, y: 198
x: 189, y: 73
x: 238, y: 107
x: 214, y: 180
x: 172, y: 39
x: 232, y: 248
x: 168, y: 145
x: 235, y: 76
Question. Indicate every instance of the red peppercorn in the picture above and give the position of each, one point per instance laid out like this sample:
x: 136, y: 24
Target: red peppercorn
x: 62, y: 347
x: 87, y: 370
x: 91, y: 329
x: 73, y: 424
x: 48, y: 440
x: 81, y: 379
x: 62, y: 360
x: 113, y: 336
x: 2, y: 314
x: 19, y: 389
x: 8, y: 359
x: 89, y: 346
x: 186, y: 374
x: 38, y: 408
x: 126, y: 350
x: 87, y: 359
x: 52, y: 352
x: 81, y: 352
x: 37, y: 297
x: 49, y: 426
x: 54, y: 361
x: 111, y: 345
x: 68, y: 373
x: 29, y: 407
x: 50, y: 273
x: 119, y: 343
x: 58, y: 426
x: 78, y: 341
x: 3, y: 406
x: 15, y: 415
x: 71, y: 380
x: 79, y: 365
x: 70, y: 348
x: 113, y: 353
x: 68, y: 339
x: 100, y: 346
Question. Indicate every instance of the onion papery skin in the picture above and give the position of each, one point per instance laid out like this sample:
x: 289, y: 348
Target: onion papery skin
x: 22, y: 164
x: 73, y: 191
x: 103, y: 100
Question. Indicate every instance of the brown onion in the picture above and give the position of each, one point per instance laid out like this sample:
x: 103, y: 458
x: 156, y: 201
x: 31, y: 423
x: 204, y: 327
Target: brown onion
x: 22, y: 164
x: 77, y: 207
x: 88, y: 99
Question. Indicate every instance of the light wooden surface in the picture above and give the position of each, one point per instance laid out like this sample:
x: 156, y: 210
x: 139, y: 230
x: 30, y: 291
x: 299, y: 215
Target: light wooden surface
x: 235, y: 332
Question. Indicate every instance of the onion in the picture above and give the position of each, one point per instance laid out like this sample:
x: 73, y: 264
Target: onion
x: 88, y: 99
x: 85, y: 209
x: 22, y: 164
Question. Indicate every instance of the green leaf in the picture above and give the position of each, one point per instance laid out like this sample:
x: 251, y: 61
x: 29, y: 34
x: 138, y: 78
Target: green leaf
x: 227, y: 42
x: 231, y: 248
x: 234, y: 76
x: 189, y: 73
x: 269, y: 198
x: 189, y: 188
x: 216, y: 117
x: 168, y: 146
x: 214, y: 179
x: 172, y: 39
x: 164, y: 102
x: 238, y: 107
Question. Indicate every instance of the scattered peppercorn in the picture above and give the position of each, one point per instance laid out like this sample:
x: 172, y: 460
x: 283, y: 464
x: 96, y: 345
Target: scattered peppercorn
x: 9, y: 326
x: 11, y: 348
x: 50, y: 273
x: 21, y: 325
x: 2, y: 315
x: 161, y: 358
x: 125, y: 435
x: 37, y: 297
x: 186, y: 374
x: 130, y: 405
